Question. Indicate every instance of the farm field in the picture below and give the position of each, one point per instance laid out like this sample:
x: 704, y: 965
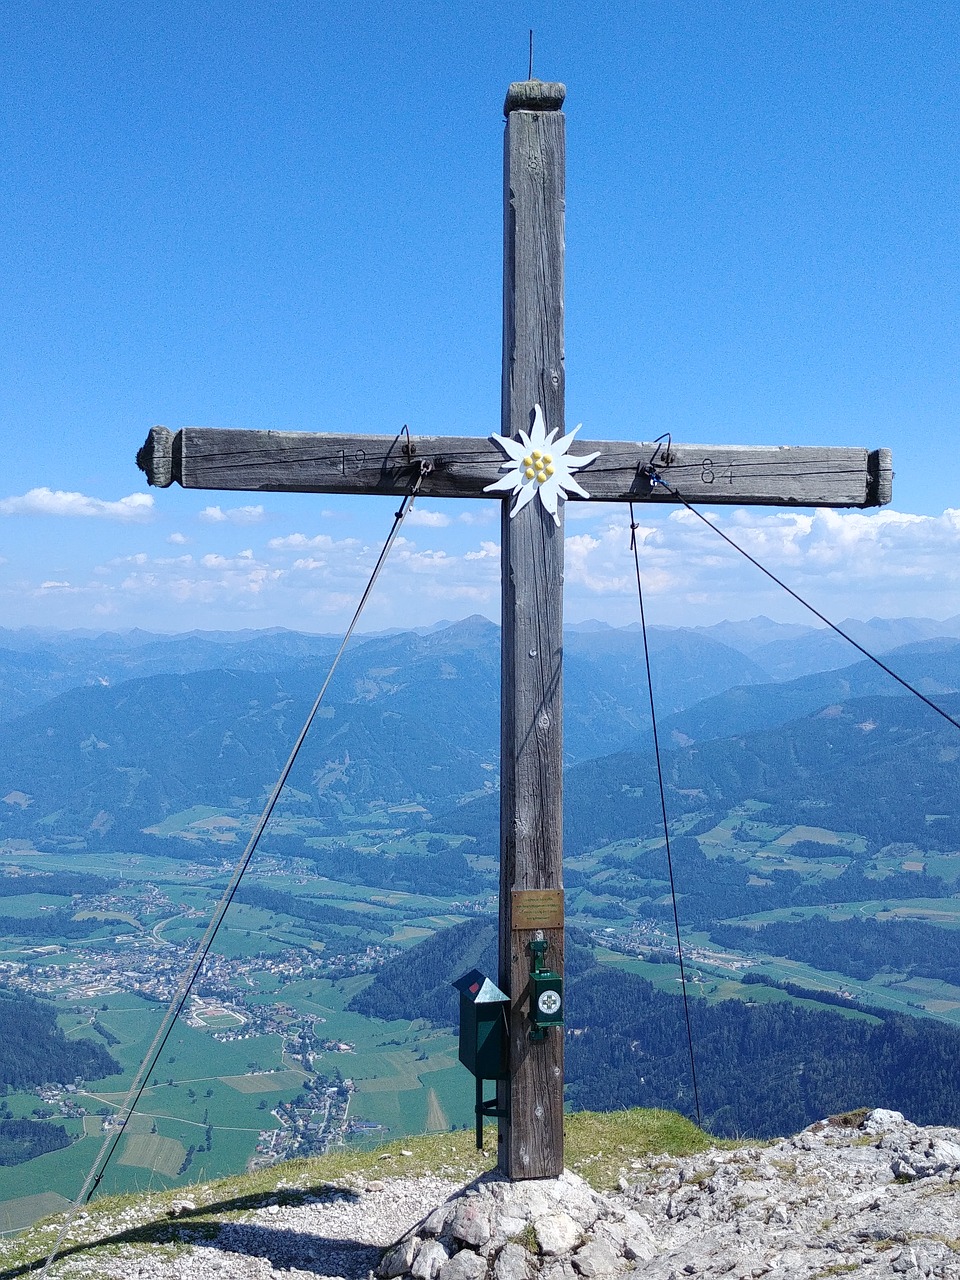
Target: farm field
x: 220, y: 1078
x: 264, y: 1052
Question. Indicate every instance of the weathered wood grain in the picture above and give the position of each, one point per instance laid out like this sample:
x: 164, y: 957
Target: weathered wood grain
x: 308, y: 462
x: 880, y: 477
x: 534, y: 95
x: 531, y: 729
x: 156, y: 457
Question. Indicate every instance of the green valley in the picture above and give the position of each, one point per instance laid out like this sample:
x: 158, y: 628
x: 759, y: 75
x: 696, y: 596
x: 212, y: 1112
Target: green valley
x: 816, y: 880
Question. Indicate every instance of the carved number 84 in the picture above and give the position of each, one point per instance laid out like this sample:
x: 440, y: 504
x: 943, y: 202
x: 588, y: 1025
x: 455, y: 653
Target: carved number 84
x: 710, y: 474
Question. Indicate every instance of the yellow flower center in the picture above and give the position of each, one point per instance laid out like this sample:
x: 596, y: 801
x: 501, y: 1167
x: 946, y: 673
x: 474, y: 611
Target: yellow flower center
x: 530, y: 473
x: 550, y: 471
x: 528, y: 462
x: 537, y: 455
x: 541, y: 476
x: 547, y: 459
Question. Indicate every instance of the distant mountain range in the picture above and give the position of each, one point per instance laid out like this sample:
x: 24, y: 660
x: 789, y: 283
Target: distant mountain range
x: 155, y: 725
x: 932, y: 666
x: 410, y: 718
x: 788, y: 650
x: 883, y: 768
x: 36, y: 664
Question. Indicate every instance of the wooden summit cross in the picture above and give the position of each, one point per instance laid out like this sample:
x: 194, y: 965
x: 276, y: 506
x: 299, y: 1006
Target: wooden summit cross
x: 531, y: 1100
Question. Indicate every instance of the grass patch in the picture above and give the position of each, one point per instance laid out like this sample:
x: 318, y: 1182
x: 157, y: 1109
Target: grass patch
x: 123, y: 916
x: 851, y: 1119
x: 178, y: 822
x: 151, y: 1151
x: 265, y: 1081
x: 527, y: 1239
x: 19, y: 1213
x: 599, y: 1146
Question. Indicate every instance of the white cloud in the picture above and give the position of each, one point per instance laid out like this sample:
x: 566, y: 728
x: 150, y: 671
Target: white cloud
x: 488, y: 551
x: 847, y: 563
x: 299, y: 579
x: 211, y: 579
x: 212, y: 560
x: 59, y: 502
x: 233, y: 515
x: 298, y: 541
x: 178, y: 539
x: 427, y: 519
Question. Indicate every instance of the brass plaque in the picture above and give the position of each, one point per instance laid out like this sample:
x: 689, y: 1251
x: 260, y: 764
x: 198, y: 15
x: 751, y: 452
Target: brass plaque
x: 537, y: 908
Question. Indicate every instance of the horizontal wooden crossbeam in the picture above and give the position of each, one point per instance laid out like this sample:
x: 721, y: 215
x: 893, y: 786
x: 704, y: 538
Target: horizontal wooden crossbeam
x: 461, y: 467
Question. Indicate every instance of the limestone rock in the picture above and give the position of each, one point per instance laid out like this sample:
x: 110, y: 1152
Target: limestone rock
x: 881, y: 1121
x: 431, y: 1256
x: 482, y: 1231
x: 434, y: 1223
x: 597, y: 1261
x: 399, y: 1259
x: 513, y: 1263
x: 557, y: 1233
x: 558, y: 1269
x: 465, y: 1265
x: 868, y: 1194
x: 629, y: 1234
x: 471, y: 1221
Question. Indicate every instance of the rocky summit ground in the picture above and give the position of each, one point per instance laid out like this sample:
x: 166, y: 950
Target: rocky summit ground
x: 864, y: 1194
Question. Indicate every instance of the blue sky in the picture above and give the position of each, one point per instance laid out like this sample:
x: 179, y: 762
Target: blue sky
x: 289, y: 215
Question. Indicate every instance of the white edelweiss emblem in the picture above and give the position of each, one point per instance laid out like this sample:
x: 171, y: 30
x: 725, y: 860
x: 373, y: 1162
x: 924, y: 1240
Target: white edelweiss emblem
x: 538, y: 464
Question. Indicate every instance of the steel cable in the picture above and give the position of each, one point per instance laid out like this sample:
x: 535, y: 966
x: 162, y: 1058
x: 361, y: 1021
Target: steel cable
x: 657, y: 478
x: 663, y: 812
x: 175, y: 1008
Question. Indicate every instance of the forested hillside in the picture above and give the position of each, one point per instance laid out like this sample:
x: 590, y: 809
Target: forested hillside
x: 932, y: 666
x: 842, y: 768
x: 33, y: 1049
x: 418, y: 984
x: 762, y: 1069
x: 860, y: 948
x: 713, y: 888
x: 410, y: 718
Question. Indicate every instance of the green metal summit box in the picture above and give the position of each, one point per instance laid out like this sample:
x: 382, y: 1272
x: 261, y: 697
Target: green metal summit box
x: 483, y: 1029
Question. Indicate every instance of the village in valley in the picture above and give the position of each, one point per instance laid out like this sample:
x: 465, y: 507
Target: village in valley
x: 268, y: 1065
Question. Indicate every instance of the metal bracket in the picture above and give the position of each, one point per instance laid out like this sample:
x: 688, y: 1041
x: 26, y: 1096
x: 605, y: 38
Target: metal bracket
x: 484, y: 1109
x: 663, y: 455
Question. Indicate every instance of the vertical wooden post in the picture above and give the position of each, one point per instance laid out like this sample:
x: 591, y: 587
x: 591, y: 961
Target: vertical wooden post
x: 531, y: 827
